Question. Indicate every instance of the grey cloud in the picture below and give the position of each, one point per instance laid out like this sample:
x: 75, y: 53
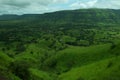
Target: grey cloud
x: 17, y: 3
x: 28, y: 6
x: 20, y: 3
x: 23, y: 6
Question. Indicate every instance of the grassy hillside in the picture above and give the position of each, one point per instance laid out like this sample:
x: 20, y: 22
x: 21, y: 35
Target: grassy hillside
x: 65, y: 45
x: 77, y: 56
x: 99, y: 62
x: 108, y: 69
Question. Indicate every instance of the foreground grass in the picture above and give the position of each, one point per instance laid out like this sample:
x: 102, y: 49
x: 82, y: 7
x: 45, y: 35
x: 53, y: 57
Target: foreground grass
x: 108, y: 69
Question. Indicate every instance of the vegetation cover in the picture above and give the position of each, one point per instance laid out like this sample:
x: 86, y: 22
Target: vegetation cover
x: 64, y: 45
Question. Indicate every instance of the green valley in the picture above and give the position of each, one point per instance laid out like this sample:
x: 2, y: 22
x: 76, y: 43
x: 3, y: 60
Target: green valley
x: 78, y: 44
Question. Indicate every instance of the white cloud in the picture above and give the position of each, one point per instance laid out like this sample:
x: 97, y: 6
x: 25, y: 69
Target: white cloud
x: 114, y: 4
x: 82, y: 4
x: 60, y: 1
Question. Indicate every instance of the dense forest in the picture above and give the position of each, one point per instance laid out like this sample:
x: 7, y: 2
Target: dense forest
x: 64, y: 45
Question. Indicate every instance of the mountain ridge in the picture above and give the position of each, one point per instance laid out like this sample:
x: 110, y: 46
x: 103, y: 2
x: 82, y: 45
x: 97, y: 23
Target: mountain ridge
x: 65, y: 14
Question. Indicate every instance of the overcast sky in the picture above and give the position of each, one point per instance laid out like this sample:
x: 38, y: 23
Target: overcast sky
x: 42, y: 6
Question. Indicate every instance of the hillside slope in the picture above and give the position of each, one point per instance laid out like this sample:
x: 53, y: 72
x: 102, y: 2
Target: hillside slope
x: 64, y: 45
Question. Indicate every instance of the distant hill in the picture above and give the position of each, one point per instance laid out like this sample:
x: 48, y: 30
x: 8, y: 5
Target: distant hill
x: 8, y: 17
x: 71, y: 16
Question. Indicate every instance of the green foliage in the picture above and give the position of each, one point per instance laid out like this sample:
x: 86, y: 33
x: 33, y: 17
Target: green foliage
x: 38, y: 75
x: 95, y: 71
x: 64, y: 45
x: 77, y: 56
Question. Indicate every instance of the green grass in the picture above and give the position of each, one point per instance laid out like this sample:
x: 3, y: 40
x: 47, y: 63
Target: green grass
x: 98, y: 62
x: 4, y: 59
x: 108, y: 69
x: 78, y: 56
x: 36, y: 74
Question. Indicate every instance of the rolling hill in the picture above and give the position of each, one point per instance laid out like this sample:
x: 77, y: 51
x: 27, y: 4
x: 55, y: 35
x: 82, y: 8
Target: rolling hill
x: 64, y: 45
